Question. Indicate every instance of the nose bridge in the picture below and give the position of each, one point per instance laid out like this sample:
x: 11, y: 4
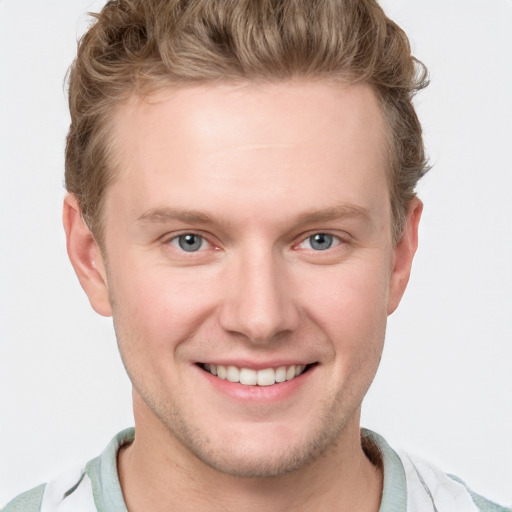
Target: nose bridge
x: 258, y: 302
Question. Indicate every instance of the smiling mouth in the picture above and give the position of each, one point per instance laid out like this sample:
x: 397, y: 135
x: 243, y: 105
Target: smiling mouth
x: 250, y: 377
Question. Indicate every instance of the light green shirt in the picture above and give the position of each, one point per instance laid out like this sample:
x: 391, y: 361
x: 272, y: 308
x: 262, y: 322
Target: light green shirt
x: 409, y: 486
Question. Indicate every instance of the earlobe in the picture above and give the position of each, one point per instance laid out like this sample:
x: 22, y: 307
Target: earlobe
x: 403, y: 255
x: 85, y: 256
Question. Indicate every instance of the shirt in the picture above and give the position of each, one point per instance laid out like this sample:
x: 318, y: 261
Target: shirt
x: 410, y: 485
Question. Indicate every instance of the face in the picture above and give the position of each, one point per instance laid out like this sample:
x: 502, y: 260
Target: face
x: 250, y: 266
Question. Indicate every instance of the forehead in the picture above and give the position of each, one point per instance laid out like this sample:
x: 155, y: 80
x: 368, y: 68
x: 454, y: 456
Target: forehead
x: 245, y: 108
x: 288, y: 141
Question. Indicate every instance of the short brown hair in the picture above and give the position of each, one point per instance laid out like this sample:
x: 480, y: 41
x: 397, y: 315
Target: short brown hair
x: 141, y: 46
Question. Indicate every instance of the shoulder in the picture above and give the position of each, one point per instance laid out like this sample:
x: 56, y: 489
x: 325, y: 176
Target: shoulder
x: 414, y: 485
x: 87, y: 488
x: 29, y: 501
x: 72, y: 487
x: 483, y: 504
x: 446, y: 491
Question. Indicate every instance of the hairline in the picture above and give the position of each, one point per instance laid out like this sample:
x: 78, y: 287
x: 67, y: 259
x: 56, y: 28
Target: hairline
x: 134, y: 93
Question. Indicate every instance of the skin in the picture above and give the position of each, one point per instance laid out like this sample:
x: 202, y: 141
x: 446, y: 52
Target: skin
x: 262, y: 168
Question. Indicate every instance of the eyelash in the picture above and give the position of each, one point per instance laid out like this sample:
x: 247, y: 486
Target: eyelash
x: 175, y: 241
x: 336, y: 241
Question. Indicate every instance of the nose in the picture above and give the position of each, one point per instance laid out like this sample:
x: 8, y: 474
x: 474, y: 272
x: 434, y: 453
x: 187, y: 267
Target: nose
x: 258, y: 301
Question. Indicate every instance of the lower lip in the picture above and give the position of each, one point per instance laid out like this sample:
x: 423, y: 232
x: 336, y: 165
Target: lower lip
x: 259, y: 394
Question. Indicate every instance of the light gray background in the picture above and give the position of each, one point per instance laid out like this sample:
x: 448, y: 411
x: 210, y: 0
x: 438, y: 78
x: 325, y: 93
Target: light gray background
x: 444, y: 387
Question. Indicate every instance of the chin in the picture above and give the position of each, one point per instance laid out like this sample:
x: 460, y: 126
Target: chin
x: 265, y: 452
x: 259, y: 461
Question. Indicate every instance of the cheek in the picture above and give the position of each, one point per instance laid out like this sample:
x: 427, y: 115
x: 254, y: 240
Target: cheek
x: 157, y: 305
x: 349, y: 303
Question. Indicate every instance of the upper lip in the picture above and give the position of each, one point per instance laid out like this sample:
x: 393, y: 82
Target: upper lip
x: 257, y: 365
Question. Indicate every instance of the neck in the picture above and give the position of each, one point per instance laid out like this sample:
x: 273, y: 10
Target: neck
x: 157, y: 473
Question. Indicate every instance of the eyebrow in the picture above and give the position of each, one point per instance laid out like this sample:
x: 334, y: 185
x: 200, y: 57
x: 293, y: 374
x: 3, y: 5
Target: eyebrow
x: 334, y: 213
x: 162, y: 215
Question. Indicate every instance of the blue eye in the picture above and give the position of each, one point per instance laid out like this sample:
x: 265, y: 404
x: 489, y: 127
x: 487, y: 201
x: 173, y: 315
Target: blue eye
x: 321, y: 241
x: 189, y: 242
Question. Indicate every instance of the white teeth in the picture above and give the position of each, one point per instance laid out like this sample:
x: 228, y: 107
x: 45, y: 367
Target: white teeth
x: 266, y: 377
x: 249, y: 377
x: 233, y: 374
x: 221, y: 371
x: 281, y: 374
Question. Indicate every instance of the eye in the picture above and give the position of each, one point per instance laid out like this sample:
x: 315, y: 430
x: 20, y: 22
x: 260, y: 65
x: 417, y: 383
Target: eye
x: 189, y: 242
x: 320, y: 241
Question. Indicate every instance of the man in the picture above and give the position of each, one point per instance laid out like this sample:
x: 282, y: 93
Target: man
x: 241, y: 200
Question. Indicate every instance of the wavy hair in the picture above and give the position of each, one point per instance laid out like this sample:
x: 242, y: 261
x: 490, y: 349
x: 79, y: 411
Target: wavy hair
x: 142, y: 46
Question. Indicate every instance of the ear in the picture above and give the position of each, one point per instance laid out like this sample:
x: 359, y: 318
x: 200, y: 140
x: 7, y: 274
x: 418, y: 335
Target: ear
x: 403, y: 255
x: 85, y: 256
